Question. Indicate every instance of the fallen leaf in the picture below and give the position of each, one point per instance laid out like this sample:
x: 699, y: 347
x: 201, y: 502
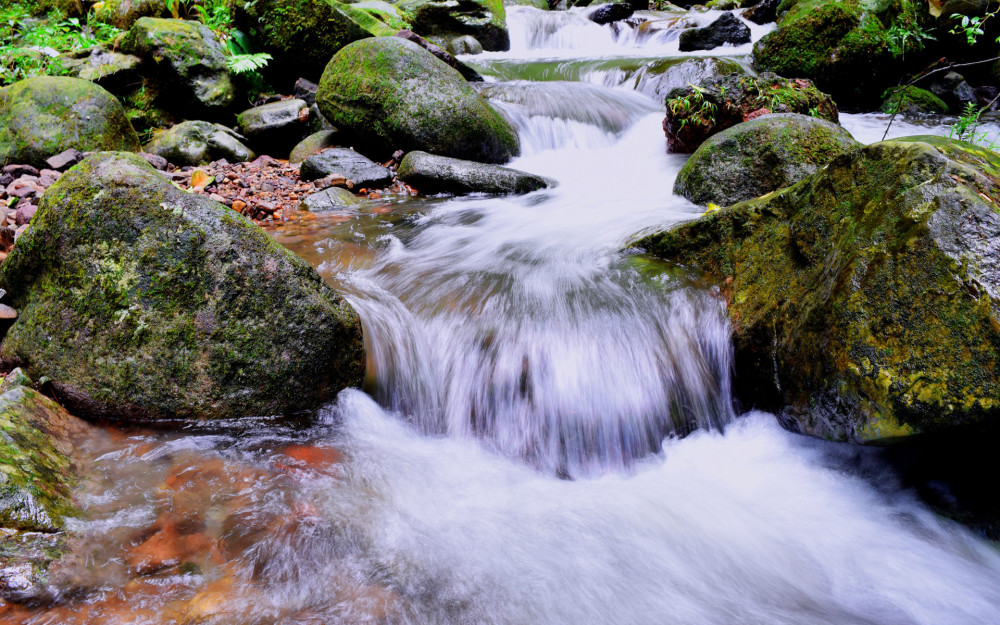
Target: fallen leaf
x: 200, y: 180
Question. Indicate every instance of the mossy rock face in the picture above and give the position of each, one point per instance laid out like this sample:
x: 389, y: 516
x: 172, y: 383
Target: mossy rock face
x: 37, y: 472
x: 198, y: 143
x: 486, y: 20
x: 842, y: 45
x: 124, y: 13
x: 140, y: 301
x: 302, y: 35
x: 391, y: 94
x: 657, y: 78
x: 189, y: 61
x: 913, y: 100
x: 696, y: 112
x: 760, y: 156
x: 46, y: 115
x: 865, y: 300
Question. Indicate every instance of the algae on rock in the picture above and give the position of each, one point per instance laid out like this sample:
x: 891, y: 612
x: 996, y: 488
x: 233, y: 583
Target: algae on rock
x: 141, y: 301
x: 865, y: 299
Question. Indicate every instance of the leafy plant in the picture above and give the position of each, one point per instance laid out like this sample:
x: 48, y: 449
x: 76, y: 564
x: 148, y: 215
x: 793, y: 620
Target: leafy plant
x: 907, y: 36
x: 247, y: 63
x: 971, y: 27
x: 967, y: 127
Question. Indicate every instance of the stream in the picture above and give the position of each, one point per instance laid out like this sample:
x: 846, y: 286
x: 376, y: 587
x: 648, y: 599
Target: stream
x: 546, y: 435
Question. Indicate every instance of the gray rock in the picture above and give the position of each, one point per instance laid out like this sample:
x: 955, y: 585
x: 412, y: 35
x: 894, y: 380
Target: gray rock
x: 727, y: 29
x: 345, y: 161
x: 305, y: 90
x: 467, y: 72
x: 313, y: 144
x: 64, y: 160
x: 330, y: 198
x: 275, y: 127
x: 199, y: 143
x: 430, y: 173
x: 466, y: 44
x: 612, y: 12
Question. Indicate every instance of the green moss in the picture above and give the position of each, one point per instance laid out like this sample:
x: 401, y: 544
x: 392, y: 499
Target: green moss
x: 860, y: 301
x: 141, y: 301
x: 912, y: 100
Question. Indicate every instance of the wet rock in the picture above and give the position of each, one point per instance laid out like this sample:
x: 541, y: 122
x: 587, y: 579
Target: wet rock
x: 695, y: 113
x: 391, y: 94
x: 302, y: 35
x: 954, y: 91
x: 912, y: 100
x: 467, y: 72
x: 607, y: 13
x: 25, y: 562
x: 764, y: 12
x: 331, y: 198
x: 189, y: 310
x: 347, y: 162
x: 442, y: 19
x: 865, y: 299
x: 275, y: 127
x: 198, y: 143
x: 466, y: 44
x: 46, y: 115
x: 313, y: 144
x: 439, y: 174
x: 189, y: 59
x: 727, y: 29
x: 305, y: 90
x: 657, y: 78
x: 760, y: 156
x: 64, y: 160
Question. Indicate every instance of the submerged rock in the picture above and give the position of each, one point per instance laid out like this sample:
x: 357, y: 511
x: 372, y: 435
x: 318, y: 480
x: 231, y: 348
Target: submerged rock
x: 189, y: 60
x: 198, y: 143
x: 726, y: 29
x: 348, y: 163
x: 140, y: 301
x: 330, y: 198
x: 696, y: 112
x: 393, y: 95
x: 439, y: 174
x: 760, y: 156
x: 44, y: 116
x: 865, y: 300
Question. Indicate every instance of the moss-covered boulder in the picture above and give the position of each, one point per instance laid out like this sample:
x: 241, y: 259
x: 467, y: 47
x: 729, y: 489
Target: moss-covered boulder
x: 189, y: 62
x: 198, y: 143
x: 391, y: 94
x: 124, y: 13
x: 441, y: 20
x: 865, y: 300
x: 302, y: 35
x: 43, y: 116
x: 760, y: 156
x: 843, y: 45
x: 912, y: 100
x: 696, y: 112
x: 140, y: 301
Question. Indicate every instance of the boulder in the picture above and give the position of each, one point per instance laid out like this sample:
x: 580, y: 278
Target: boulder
x: 764, y: 12
x: 865, y: 300
x: 313, y: 144
x: 198, y: 143
x: 466, y: 44
x: 486, y: 20
x: 302, y: 35
x: 189, y: 60
x: 726, y: 29
x: 612, y: 12
x: 43, y: 116
x: 912, y: 100
x: 467, y: 72
x: 657, y: 78
x: 112, y: 70
x: 140, y: 301
x: 760, y: 156
x: 331, y: 198
x: 124, y: 13
x: 275, y: 127
x: 429, y: 173
x: 696, y: 112
x: 348, y: 163
x: 391, y: 94
x: 842, y: 45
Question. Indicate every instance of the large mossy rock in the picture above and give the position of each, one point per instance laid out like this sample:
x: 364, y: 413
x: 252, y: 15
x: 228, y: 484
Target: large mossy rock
x: 124, y: 13
x: 865, y: 300
x: 696, y: 112
x: 913, y: 100
x: 189, y: 60
x: 760, y: 156
x: 140, y: 301
x: 302, y: 35
x: 199, y: 143
x: 43, y: 116
x: 843, y: 45
x: 391, y: 94
x: 442, y: 20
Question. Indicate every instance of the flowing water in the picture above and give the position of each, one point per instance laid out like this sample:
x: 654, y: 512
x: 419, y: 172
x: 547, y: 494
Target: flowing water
x: 547, y: 434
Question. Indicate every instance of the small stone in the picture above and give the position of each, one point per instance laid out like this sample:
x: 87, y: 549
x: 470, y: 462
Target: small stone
x: 6, y: 179
x: 19, y: 231
x: 305, y: 90
x: 65, y: 159
x: 155, y: 160
x: 6, y: 312
x: 18, y: 170
x: 24, y: 213
x: 217, y: 198
x: 239, y: 205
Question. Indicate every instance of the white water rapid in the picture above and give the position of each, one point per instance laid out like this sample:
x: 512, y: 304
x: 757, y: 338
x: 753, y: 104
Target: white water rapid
x: 549, y: 436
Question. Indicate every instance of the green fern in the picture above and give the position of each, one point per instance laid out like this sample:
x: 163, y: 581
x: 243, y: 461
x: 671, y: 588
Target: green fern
x: 247, y: 63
